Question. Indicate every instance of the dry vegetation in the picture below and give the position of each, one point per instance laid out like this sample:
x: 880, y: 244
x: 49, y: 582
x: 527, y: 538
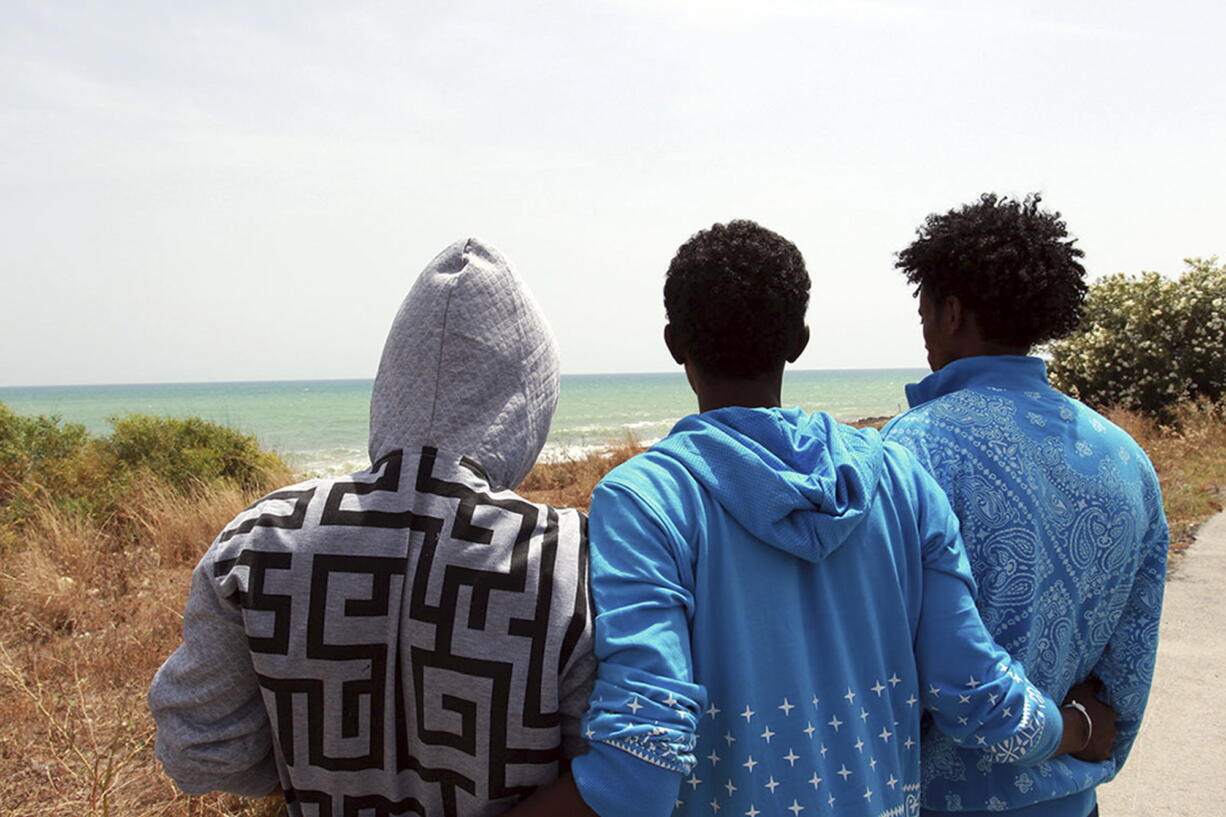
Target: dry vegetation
x: 90, y: 611
x: 92, y: 606
x: 97, y: 541
x: 569, y: 483
x: 1190, y: 458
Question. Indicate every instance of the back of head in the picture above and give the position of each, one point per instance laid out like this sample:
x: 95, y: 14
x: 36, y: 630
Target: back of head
x: 735, y: 296
x: 1010, y: 263
x: 470, y: 366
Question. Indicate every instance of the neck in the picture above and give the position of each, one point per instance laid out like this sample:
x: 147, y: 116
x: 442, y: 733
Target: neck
x: 970, y: 342
x: 756, y: 392
x: 986, y: 349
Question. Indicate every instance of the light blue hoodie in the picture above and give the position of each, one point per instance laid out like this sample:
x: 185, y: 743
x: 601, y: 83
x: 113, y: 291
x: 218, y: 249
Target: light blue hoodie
x: 779, y: 598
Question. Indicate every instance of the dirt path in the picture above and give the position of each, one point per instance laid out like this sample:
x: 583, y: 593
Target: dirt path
x: 1178, y: 765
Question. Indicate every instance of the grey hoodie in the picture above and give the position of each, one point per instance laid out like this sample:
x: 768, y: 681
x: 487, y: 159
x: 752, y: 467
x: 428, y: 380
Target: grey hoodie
x: 414, y: 638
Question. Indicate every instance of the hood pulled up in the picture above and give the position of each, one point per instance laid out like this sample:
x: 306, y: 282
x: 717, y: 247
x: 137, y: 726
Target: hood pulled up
x: 470, y: 366
x: 797, y: 481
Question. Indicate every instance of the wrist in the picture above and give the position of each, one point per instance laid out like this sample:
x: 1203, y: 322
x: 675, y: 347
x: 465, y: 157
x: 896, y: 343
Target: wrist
x: 1083, y: 718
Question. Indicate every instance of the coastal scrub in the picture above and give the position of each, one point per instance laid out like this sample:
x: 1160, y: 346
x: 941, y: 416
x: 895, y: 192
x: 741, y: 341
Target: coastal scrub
x: 97, y: 565
x: 1189, y: 454
x: 1148, y: 343
x: 98, y: 537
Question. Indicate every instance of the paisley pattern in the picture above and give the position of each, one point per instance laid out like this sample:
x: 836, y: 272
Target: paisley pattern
x: 944, y: 761
x: 1062, y: 519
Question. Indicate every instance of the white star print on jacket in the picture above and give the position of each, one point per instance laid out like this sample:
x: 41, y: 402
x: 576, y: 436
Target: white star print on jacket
x: 773, y: 592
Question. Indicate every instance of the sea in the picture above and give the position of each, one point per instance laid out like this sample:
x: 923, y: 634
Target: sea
x: 320, y: 426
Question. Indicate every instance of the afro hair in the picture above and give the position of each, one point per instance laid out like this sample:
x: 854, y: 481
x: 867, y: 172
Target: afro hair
x: 735, y: 296
x: 1010, y: 263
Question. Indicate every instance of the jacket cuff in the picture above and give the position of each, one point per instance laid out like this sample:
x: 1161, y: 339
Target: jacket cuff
x: 1052, y: 734
x: 1047, y: 732
x: 615, y: 783
x: 258, y: 781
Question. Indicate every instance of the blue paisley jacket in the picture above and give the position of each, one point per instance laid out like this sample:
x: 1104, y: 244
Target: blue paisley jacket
x: 1062, y: 518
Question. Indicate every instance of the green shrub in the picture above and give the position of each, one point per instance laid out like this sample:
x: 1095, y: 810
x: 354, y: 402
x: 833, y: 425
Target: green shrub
x: 190, y: 451
x: 45, y: 462
x: 33, y: 448
x: 1148, y: 342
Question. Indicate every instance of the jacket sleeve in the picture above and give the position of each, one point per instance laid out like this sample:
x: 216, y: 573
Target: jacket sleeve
x: 977, y: 694
x: 1126, y: 667
x: 213, y: 732
x: 643, y: 716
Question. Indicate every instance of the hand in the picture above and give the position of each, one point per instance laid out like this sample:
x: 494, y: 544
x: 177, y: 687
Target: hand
x: 560, y: 798
x: 1101, y: 716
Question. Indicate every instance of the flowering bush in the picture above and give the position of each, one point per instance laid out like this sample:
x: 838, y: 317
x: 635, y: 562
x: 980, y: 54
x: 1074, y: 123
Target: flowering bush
x: 1148, y: 342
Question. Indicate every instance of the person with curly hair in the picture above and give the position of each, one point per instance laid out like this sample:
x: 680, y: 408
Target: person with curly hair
x: 780, y: 597
x: 998, y: 277
x: 1060, y: 510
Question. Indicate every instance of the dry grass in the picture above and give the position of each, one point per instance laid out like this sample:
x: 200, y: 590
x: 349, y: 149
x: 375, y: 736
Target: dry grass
x: 569, y: 483
x: 91, y: 609
x: 871, y: 422
x: 1190, y: 458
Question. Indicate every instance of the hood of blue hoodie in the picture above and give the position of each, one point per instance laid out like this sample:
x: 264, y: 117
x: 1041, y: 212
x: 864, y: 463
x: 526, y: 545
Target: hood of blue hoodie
x: 800, y: 482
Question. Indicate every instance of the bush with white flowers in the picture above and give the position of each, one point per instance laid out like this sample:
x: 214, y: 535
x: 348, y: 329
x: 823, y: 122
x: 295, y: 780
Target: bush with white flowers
x: 1148, y: 342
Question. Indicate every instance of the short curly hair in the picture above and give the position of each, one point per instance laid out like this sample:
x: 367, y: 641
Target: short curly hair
x: 736, y: 296
x: 1010, y: 263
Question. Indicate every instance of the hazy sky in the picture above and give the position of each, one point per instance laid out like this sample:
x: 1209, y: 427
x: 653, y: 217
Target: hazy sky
x: 245, y: 191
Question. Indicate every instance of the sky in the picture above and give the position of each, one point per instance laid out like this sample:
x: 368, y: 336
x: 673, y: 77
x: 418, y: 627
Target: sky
x: 217, y: 191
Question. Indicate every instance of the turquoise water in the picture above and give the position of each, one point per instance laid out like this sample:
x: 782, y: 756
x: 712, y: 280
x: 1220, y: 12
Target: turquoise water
x: 321, y: 425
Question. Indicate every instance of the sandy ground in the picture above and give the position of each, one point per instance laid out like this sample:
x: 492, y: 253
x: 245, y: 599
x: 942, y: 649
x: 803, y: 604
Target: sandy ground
x: 1178, y: 765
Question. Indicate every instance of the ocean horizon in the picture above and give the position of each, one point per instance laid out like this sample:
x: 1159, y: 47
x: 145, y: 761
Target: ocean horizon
x: 321, y: 426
